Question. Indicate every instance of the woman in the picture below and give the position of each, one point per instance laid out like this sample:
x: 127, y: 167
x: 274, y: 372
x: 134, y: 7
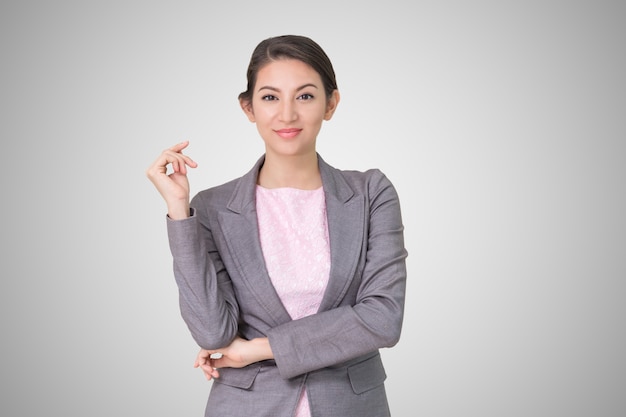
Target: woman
x: 291, y: 277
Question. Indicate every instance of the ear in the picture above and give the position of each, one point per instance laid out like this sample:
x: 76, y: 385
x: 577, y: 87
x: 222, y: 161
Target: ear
x: 331, y: 105
x: 246, y: 106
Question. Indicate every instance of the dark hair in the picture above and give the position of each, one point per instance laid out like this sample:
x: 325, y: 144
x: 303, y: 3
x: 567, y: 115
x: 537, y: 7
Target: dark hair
x: 290, y: 47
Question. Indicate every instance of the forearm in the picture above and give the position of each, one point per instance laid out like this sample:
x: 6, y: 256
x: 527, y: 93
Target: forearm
x: 207, y: 302
x: 333, y: 337
x: 371, y: 314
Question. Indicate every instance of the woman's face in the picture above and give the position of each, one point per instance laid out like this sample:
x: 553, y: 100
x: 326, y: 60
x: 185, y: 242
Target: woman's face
x: 288, y: 106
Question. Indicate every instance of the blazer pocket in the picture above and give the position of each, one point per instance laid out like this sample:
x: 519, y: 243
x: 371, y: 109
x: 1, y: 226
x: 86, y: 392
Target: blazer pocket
x: 367, y: 375
x: 238, y: 377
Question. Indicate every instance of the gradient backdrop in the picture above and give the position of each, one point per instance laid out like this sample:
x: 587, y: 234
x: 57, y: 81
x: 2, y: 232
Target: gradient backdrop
x: 502, y: 125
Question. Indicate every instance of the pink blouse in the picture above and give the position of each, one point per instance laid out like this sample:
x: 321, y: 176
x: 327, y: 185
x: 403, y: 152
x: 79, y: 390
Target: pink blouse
x: 294, y: 238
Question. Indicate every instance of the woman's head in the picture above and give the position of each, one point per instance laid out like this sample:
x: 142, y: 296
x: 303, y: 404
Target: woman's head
x: 295, y: 47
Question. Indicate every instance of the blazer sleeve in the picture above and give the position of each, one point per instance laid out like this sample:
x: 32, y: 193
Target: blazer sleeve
x: 374, y: 320
x: 207, y: 301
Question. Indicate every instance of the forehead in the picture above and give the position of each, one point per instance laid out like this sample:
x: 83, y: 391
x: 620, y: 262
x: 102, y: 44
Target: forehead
x: 286, y: 72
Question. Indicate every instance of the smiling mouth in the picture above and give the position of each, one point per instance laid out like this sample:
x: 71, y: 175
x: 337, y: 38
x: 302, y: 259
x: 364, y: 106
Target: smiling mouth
x: 288, y: 133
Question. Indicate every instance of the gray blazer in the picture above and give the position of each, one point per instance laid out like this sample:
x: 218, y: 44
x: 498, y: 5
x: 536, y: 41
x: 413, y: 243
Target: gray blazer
x: 225, y: 290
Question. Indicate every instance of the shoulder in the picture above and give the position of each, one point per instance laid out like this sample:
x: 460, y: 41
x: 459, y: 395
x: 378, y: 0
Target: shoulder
x: 352, y: 175
x: 370, y: 182
x: 373, y: 184
x: 370, y: 176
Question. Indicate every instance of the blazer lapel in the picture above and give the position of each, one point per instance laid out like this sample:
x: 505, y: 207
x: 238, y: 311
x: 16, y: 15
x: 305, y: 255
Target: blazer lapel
x: 240, y: 227
x: 345, y: 213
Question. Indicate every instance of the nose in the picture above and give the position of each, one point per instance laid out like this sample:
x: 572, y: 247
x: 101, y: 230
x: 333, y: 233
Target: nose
x: 288, y: 112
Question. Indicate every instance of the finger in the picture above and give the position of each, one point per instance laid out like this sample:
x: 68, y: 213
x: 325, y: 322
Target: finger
x: 207, y: 373
x: 180, y: 146
x: 178, y: 149
x: 213, y: 373
x: 173, y: 161
x: 210, y: 372
x: 199, y: 362
x: 179, y: 161
x: 202, y: 358
x: 180, y: 165
x: 207, y: 376
x: 189, y: 161
x: 207, y: 369
x: 159, y: 166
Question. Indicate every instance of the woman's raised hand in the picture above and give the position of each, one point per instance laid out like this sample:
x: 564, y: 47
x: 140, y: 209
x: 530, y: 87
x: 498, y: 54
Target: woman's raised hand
x: 174, y: 187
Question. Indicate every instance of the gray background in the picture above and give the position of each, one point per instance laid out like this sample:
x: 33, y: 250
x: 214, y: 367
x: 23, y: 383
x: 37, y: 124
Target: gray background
x: 502, y: 124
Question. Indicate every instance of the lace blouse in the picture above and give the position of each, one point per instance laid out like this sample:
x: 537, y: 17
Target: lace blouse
x: 294, y: 238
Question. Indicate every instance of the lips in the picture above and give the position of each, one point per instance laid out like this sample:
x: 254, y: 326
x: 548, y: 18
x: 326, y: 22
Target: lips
x: 288, y: 133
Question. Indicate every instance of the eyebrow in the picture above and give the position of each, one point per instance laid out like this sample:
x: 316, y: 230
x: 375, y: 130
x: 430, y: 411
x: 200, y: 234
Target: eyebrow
x: 302, y: 87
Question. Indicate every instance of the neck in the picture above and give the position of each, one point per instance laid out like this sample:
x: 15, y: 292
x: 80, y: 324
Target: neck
x: 301, y: 171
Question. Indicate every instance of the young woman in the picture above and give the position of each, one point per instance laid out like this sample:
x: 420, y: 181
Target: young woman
x: 291, y: 277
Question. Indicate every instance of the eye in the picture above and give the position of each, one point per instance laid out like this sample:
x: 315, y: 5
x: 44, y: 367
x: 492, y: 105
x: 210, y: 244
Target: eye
x: 306, y: 96
x: 269, y: 97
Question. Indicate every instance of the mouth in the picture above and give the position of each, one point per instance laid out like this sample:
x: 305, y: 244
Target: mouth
x: 288, y: 133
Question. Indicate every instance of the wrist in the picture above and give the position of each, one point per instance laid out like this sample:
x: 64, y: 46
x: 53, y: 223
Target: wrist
x: 262, y: 349
x: 178, y: 211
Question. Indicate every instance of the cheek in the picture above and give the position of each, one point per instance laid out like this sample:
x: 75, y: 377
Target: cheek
x: 320, y: 115
x: 313, y: 113
x: 263, y: 113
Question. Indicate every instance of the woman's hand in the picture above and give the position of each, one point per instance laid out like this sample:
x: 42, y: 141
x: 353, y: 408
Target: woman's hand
x: 205, y: 362
x: 174, y: 188
x: 238, y: 354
